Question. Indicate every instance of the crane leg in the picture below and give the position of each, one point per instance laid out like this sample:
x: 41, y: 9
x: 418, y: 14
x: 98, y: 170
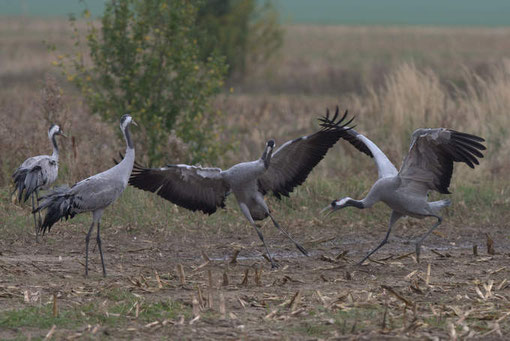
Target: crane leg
x: 39, y: 218
x: 39, y: 212
x: 393, y: 219
x: 247, y: 214
x: 420, y: 241
x: 300, y: 248
x: 87, y: 239
x: 35, y: 219
x: 98, y: 239
x: 273, y: 264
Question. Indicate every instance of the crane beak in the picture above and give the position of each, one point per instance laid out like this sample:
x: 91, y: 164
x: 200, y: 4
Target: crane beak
x: 133, y: 122
x: 327, y: 211
x: 62, y: 134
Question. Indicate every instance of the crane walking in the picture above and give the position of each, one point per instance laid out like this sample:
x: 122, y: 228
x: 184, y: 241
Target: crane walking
x: 36, y: 173
x: 205, y: 189
x: 427, y: 167
x: 93, y: 194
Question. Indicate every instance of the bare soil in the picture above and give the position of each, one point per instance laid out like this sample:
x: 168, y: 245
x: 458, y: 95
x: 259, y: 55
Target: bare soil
x: 451, y: 293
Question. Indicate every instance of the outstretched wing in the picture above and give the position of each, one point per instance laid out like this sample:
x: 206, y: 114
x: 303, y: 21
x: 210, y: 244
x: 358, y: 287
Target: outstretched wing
x: 191, y: 187
x: 384, y: 166
x: 429, y: 164
x: 349, y: 135
x: 291, y: 164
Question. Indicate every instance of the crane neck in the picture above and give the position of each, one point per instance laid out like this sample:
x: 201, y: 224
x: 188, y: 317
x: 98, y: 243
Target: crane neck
x: 127, y: 137
x: 55, y: 147
x: 129, y: 157
x: 266, y: 156
x: 368, y: 201
x: 357, y: 203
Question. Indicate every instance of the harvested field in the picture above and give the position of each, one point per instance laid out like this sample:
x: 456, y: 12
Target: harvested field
x: 451, y: 292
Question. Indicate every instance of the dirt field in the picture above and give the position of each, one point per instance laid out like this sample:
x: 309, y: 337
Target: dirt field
x: 451, y: 293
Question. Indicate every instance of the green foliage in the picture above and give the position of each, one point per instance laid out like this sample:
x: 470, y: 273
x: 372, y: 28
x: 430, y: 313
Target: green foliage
x: 38, y: 317
x: 41, y: 316
x: 145, y: 60
x: 244, y: 31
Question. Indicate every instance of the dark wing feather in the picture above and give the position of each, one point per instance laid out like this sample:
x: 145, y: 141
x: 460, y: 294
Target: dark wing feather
x: 291, y: 164
x: 348, y: 135
x: 194, y: 188
x: 429, y: 164
x: 33, y: 180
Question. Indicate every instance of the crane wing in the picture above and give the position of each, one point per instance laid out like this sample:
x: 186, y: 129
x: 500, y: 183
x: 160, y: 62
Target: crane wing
x: 95, y: 192
x: 429, y: 163
x: 294, y: 160
x: 384, y: 166
x: 34, y: 172
x: 191, y: 187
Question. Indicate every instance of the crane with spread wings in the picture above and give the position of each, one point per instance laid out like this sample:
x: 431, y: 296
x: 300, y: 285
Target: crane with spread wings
x: 278, y: 172
x: 427, y: 167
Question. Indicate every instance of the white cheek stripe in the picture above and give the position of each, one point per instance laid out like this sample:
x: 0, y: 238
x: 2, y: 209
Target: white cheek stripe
x: 341, y: 201
x: 53, y: 130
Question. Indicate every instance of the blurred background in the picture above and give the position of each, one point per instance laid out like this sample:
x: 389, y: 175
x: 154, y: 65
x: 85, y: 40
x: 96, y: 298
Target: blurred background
x: 211, y: 81
x: 491, y: 13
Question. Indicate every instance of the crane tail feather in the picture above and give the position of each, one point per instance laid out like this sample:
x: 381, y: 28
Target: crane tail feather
x: 58, y: 204
x: 26, y: 181
x: 33, y: 180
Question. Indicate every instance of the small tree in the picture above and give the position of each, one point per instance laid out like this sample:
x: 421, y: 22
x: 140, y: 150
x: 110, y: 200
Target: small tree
x: 145, y: 60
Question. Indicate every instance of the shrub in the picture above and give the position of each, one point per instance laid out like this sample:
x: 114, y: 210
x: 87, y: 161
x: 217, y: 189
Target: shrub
x: 145, y: 60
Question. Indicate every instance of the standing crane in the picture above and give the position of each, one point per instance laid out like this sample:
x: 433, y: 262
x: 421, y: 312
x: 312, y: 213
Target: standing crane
x: 427, y: 167
x: 205, y: 189
x: 36, y: 173
x: 93, y: 194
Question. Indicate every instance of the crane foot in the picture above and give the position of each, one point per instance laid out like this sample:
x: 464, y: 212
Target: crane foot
x: 303, y: 250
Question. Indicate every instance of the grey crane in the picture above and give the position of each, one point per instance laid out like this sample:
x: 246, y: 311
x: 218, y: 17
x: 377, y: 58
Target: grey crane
x: 205, y: 189
x: 38, y: 172
x: 93, y: 194
x: 427, y: 167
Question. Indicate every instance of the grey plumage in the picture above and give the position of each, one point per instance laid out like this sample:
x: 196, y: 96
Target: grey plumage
x: 205, y: 189
x: 427, y: 167
x: 93, y: 194
x: 37, y: 173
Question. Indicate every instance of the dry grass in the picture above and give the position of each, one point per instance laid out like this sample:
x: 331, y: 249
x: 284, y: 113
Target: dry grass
x: 453, y: 77
x: 395, y: 93
x: 408, y: 98
x: 334, y: 60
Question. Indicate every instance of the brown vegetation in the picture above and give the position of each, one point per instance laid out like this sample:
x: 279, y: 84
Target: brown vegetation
x: 456, y: 77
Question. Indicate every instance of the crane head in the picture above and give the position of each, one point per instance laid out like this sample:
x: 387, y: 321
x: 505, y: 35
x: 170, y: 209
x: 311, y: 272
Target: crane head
x: 55, y: 130
x: 268, y: 151
x: 126, y: 120
x: 338, y: 204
